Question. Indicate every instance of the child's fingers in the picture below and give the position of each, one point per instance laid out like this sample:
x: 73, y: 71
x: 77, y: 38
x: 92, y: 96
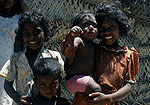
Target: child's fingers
x: 92, y: 95
x: 26, y: 98
x: 68, y: 51
x: 62, y: 46
x: 76, y: 31
x: 24, y: 102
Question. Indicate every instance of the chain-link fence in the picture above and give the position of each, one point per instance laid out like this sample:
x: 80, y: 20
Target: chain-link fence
x: 138, y: 11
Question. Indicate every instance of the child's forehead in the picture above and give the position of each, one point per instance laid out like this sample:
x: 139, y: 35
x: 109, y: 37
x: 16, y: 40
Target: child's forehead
x: 109, y: 21
x: 47, y: 77
x: 85, y: 18
x: 32, y: 25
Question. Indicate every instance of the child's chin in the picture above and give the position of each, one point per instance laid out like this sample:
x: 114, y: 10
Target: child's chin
x: 48, y: 96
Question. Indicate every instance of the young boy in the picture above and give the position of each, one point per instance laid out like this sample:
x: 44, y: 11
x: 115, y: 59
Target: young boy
x: 47, y: 78
x: 79, y: 51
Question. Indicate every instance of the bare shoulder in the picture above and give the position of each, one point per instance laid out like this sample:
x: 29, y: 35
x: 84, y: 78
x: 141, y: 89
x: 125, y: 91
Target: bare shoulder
x: 78, y: 41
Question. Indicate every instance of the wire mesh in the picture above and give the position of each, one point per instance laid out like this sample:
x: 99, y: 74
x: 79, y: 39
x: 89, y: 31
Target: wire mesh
x: 138, y: 11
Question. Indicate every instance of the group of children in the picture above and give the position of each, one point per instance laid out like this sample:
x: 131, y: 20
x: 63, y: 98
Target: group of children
x: 98, y: 74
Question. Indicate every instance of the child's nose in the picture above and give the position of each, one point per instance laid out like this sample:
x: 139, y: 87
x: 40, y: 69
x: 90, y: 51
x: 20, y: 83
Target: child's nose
x: 91, y: 27
x: 107, y: 31
x: 33, y: 36
x: 48, y: 90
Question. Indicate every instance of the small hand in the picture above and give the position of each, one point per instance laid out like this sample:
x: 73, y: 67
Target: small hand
x: 67, y: 51
x: 75, y: 31
x: 25, y: 100
x: 98, y: 98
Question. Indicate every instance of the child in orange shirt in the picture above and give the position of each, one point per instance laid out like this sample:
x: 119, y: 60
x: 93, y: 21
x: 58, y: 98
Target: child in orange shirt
x: 116, y: 66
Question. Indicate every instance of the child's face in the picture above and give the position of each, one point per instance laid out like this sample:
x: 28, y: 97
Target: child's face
x: 89, y: 27
x: 47, y: 85
x: 33, y: 35
x: 109, y: 31
x: 7, y: 3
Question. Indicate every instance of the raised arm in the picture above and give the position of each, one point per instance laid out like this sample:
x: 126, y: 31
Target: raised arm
x: 100, y: 98
x: 70, y: 45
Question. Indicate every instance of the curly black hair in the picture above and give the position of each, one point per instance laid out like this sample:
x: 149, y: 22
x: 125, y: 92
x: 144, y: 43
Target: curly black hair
x: 36, y: 17
x: 112, y: 11
x: 79, y: 17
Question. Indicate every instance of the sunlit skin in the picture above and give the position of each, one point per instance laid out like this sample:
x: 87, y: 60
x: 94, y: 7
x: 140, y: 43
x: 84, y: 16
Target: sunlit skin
x: 87, y: 30
x: 89, y: 27
x: 47, y: 85
x: 80, y: 51
x: 33, y: 35
x: 109, y: 31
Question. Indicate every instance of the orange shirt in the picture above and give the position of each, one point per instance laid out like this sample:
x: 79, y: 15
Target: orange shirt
x: 114, y: 66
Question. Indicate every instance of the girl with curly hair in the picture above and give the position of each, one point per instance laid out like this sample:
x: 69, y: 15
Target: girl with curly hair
x: 33, y: 32
x: 116, y: 66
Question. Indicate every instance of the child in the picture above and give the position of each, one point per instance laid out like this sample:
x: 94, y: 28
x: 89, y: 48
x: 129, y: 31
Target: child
x: 47, y: 77
x: 33, y: 31
x: 79, y: 51
x: 116, y: 66
x: 9, y: 14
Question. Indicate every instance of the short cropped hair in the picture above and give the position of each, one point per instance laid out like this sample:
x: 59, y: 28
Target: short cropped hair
x: 47, y: 66
x: 112, y: 11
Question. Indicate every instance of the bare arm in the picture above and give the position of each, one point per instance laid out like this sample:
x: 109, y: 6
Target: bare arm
x: 121, y: 93
x: 74, y: 32
x: 69, y: 45
x: 100, y: 98
x: 8, y: 86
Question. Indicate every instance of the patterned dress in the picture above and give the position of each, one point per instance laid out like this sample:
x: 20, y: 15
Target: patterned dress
x: 7, y: 37
x: 18, y: 69
x: 113, y: 68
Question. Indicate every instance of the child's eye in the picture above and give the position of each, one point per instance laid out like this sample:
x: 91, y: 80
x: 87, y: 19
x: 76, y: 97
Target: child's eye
x: 37, y: 32
x: 86, y: 25
x: 42, y: 85
x: 102, y: 30
x: 94, y: 25
x: 111, y: 28
x: 26, y: 34
x: 53, y: 85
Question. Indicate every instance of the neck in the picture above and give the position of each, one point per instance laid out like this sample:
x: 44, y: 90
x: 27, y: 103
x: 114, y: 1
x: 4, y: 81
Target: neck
x: 88, y: 41
x: 116, y: 44
x: 7, y: 12
x: 33, y: 51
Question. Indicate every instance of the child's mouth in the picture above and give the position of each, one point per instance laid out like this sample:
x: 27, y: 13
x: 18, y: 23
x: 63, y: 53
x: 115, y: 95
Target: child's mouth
x: 90, y: 32
x: 32, y: 42
x: 108, y: 37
